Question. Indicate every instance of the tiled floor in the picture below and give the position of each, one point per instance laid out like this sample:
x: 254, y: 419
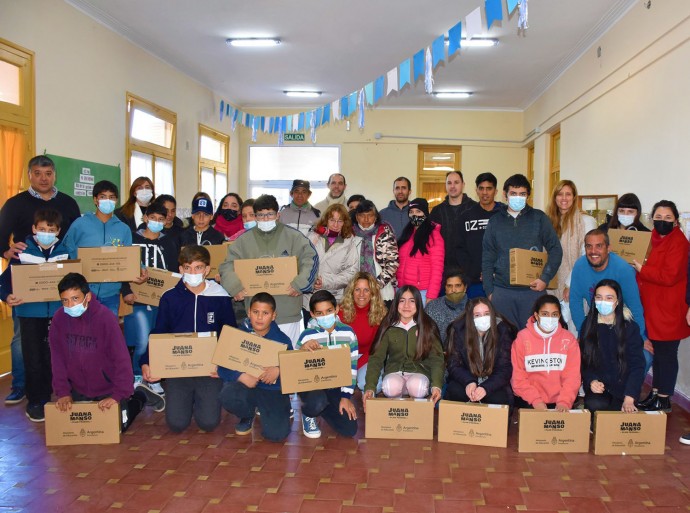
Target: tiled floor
x: 154, y: 470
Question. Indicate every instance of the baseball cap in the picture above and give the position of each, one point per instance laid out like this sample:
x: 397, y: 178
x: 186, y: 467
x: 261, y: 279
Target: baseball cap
x: 300, y: 183
x: 202, y: 205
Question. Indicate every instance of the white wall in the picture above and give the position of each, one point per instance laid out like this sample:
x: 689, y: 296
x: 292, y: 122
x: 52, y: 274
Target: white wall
x: 83, y: 71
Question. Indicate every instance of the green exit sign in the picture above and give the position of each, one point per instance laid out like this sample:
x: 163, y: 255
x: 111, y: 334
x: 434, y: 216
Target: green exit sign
x: 293, y: 137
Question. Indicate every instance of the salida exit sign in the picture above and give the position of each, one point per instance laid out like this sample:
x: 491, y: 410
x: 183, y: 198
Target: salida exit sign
x: 293, y: 137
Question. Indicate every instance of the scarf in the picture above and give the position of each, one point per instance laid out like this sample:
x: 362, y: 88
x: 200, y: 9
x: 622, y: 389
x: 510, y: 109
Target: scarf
x: 367, y: 255
x: 228, y: 228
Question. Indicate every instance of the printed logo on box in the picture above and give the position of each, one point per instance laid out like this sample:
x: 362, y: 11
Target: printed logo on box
x: 250, y: 346
x: 630, y: 427
x: 471, y: 418
x: 554, y: 425
x: 182, y: 350
x: 80, y: 416
x: 314, y: 363
x: 398, y: 412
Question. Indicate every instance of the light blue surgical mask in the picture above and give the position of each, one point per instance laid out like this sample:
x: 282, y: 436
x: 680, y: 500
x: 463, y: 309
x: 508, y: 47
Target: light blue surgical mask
x: 249, y: 225
x: 605, y: 307
x: 155, y: 226
x: 46, y: 238
x: 193, y: 280
x: 326, y: 321
x: 548, y: 324
x: 266, y: 226
x: 626, y: 220
x: 517, y: 203
x: 106, y: 206
x: 76, y: 310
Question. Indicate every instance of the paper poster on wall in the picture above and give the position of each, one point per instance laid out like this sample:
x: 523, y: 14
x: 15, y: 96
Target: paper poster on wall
x: 76, y: 178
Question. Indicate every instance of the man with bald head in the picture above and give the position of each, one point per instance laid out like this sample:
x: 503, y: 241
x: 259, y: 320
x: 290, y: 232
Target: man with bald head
x: 336, y: 192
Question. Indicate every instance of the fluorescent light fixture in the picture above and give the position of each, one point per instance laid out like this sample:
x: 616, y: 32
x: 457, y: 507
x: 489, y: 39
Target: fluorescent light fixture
x: 476, y: 42
x: 441, y: 157
x: 302, y: 94
x: 252, y: 42
x: 451, y: 95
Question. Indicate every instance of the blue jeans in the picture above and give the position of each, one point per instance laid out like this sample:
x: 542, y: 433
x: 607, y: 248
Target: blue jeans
x: 475, y: 290
x: 326, y: 403
x: 273, y: 406
x: 138, y: 326
x: 18, y: 380
x: 648, y: 360
x: 112, y: 303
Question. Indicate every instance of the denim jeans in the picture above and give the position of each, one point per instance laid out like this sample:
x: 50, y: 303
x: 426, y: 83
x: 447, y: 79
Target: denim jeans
x: 18, y: 376
x: 112, y: 303
x: 326, y: 404
x: 138, y: 326
x: 273, y: 406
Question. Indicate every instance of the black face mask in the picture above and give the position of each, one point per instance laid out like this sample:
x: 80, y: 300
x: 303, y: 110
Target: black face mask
x: 417, y: 220
x: 663, y: 227
x: 229, y: 214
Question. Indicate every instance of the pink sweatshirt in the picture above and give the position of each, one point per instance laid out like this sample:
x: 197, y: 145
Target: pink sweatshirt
x: 423, y: 271
x: 546, y: 369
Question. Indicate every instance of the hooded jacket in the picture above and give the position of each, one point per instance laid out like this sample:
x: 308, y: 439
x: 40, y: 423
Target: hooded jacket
x: 397, y: 218
x: 423, y: 271
x: 546, y: 369
x: 448, y: 216
x: 89, y: 354
x: 300, y: 218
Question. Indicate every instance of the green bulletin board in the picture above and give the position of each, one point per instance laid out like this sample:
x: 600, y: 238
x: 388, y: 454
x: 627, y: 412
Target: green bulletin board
x: 76, y: 178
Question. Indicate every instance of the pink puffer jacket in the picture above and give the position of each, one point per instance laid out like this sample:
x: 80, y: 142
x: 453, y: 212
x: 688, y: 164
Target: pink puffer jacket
x: 423, y: 271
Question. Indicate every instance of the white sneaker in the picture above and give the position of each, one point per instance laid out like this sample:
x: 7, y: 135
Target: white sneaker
x: 157, y: 388
x: 310, y: 428
x: 153, y: 398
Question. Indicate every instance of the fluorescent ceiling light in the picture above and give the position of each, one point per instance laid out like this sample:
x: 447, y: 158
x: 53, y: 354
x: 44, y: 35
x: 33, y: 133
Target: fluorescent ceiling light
x: 303, y: 94
x: 253, y: 42
x: 476, y: 42
x: 451, y: 95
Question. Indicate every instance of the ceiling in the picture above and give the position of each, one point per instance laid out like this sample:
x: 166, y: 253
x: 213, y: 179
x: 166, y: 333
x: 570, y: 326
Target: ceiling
x: 338, y: 47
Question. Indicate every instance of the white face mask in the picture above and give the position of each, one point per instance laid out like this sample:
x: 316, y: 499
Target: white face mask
x: 266, y: 226
x: 482, y: 323
x: 548, y: 324
x: 144, y: 196
x: 626, y: 220
x: 193, y: 280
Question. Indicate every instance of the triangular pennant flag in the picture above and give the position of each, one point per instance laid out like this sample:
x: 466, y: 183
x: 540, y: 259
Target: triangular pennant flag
x: 494, y: 11
x: 454, y: 38
x: 319, y: 114
x: 335, y: 106
x: 369, y: 92
x: 473, y: 23
x: 378, y: 88
x: 344, y: 107
x: 404, y: 77
x: 326, y: 114
x: 222, y: 109
x: 295, y: 122
x: 288, y: 127
x: 246, y: 119
x: 418, y: 65
x: 250, y: 121
x: 392, y: 81
x: 352, y: 100
x: 271, y: 123
x: 438, y: 50
x: 300, y: 124
x: 263, y: 123
x: 284, y: 123
x: 512, y: 4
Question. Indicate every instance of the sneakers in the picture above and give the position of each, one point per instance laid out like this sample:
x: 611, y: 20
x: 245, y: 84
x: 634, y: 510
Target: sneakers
x: 16, y: 396
x: 310, y: 428
x: 153, y: 397
x: 685, y: 439
x: 659, y: 404
x: 244, y: 426
x: 36, y: 412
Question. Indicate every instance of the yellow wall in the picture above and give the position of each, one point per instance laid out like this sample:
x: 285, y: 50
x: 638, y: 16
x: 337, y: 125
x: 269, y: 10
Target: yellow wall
x: 490, y: 141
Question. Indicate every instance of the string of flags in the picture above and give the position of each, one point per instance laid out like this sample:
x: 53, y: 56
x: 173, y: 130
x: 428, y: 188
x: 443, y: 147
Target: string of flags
x: 422, y: 64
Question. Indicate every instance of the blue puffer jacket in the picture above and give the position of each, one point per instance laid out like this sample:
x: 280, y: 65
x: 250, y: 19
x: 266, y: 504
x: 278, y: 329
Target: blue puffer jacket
x: 36, y: 255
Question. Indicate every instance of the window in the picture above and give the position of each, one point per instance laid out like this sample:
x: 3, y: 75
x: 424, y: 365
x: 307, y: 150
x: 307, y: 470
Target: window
x: 273, y: 168
x: 213, y: 163
x: 151, y: 132
x: 530, y: 172
x: 555, y: 167
x: 433, y: 164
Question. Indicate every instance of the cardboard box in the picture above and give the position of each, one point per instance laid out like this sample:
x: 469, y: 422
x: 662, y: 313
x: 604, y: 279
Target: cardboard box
x: 272, y: 275
x: 182, y: 355
x: 110, y: 263
x: 85, y: 423
x: 245, y: 352
x: 630, y: 244
x: 219, y: 253
x: 526, y: 266
x: 301, y: 371
x: 410, y: 419
x: 553, y: 431
x: 35, y: 283
x: 160, y: 281
x: 473, y: 423
x: 616, y: 432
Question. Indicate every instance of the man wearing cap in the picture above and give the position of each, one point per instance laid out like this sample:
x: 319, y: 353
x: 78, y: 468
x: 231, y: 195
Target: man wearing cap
x: 336, y: 192
x: 299, y: 214
x: 200, y: 232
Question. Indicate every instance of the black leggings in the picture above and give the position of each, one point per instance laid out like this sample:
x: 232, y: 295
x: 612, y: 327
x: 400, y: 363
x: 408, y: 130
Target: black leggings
x: 665, y: 366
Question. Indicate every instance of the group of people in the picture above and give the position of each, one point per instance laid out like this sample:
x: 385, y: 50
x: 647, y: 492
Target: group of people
x: 422, y: 297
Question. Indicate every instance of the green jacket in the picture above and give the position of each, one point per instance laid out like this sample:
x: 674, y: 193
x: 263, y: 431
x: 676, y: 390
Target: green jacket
x: 396, y: 353
x: 282, y: 241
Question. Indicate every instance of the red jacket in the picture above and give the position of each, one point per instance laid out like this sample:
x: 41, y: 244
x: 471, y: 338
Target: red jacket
x: 546, y: 369
x: 662, y: 282
x: 423, y: 271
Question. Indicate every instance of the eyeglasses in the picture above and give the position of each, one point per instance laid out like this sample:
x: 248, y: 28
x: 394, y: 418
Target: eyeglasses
x: 336, y: 221
x: 261, y: 217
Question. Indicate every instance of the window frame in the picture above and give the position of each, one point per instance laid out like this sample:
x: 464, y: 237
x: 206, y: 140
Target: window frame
x: 216, y: 166
x: 131, y: 144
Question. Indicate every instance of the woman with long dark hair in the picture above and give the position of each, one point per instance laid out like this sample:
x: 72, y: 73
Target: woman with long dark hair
x: 227, y: 219
x: 662, y: 280
x: 141, y: 194
x: 626, y: 215
x: 422, y: 252
x: 479, y: 366
x: 611, y: 347
x: 408, y: 349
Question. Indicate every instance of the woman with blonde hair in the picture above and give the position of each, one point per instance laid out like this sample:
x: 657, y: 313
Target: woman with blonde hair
x: 141, y: 194
x: 363, y: 310
x: 335, y: 244
x: 571, y: 226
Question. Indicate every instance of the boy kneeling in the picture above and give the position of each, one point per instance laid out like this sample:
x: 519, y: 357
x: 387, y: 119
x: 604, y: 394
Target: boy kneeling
x: 243, y: 393
x: 89, y: 357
